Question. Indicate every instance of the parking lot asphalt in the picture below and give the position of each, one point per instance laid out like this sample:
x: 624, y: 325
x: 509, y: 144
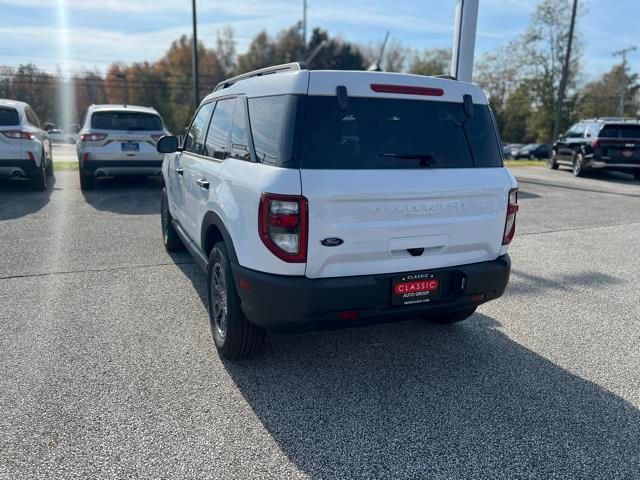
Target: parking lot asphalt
x: 108, y: 370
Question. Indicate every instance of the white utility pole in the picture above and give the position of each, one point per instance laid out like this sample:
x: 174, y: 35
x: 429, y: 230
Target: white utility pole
x: 464, y: 39
x: 623, y: 78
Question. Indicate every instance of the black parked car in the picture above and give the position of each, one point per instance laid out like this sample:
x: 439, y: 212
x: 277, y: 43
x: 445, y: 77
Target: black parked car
x: 534, y: 151
x: 600, y: 144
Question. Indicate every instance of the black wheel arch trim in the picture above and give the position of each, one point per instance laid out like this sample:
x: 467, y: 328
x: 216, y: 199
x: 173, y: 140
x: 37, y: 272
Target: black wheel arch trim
x: 213, y: 219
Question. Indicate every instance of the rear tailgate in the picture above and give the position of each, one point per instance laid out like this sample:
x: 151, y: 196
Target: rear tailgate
x: 397, y: 177
x: 403, y: 220
x: 10, y: 148
x: 619, y: 143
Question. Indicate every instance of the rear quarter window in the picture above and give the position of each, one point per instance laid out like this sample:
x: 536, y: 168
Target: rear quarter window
x: 132, y: 121
x: 620, y: 131
x: 9, y: 117
x: 388, y: 133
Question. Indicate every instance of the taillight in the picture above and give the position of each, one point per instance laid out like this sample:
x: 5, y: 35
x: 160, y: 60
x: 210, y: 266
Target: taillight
x: 18, y: 134
x: 510, y: 223
x: 31, y: 156
x: 157, y: 137
x: 595, y: 144
x: 283, y: 226
x: 92, y: 137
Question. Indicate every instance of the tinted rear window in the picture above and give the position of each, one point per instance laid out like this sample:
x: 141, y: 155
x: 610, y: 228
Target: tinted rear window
x: 9, y: 117
x: 620, y: 131
x: 376, y: 133
x: 126, y: 121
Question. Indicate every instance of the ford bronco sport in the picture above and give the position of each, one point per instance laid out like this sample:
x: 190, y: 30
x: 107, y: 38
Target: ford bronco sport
x: 316, y: 199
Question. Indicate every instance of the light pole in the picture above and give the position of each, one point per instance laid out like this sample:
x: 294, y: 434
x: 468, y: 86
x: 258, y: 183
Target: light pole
x: 194, y: 59
x: 623, y: 76
x: 123, y: 76
x: 565, y: 73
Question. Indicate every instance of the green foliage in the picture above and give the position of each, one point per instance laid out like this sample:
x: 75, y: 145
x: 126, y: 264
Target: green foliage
x: 600, y: 98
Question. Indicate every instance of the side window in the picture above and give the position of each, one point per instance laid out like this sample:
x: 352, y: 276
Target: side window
x: 218, y: 136
x: 31, y: 117
x: 240, y: 133
x: 267, y: 118
x: 194, y: 141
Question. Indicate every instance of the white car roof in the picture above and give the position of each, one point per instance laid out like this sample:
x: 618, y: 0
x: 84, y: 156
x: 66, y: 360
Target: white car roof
x: 358, y: 84
x: 114, y: 107
x: 5, y: 102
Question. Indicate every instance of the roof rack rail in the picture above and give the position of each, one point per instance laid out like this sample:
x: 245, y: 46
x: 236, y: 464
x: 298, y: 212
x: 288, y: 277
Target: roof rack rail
x: 611, y: 119
x: 286, y: 67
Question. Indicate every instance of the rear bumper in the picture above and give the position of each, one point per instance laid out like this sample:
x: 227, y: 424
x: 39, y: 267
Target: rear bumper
x: 615, y: 165
x: 121, y: 167
x: 9, y: 167
x: 295, y: 304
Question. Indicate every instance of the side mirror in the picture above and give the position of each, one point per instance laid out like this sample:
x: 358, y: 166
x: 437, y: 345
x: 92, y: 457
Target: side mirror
x: 167, y: 144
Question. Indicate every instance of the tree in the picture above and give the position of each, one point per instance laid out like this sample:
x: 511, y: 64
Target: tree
x: 434, y: 61
x: 544, y: 47
x: 600, y: 98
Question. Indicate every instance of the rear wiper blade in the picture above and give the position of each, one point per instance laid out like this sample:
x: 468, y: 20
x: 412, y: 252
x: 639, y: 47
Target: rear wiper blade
x: 410, y: 156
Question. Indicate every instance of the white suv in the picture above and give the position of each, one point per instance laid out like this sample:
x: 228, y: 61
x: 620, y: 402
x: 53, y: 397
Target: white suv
x: 317, y: 199
x: 119, y: 140
x: 25, y: 150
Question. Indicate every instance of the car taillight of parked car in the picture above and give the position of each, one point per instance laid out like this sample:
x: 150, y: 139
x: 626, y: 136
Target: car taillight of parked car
x: 283, y: 225
x: 92, y: 137
x: 18, y: 134
x: 157, y: 137
x: 510, y: 223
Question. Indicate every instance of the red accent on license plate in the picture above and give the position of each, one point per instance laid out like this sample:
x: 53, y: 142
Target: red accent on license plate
x: 429, y: 285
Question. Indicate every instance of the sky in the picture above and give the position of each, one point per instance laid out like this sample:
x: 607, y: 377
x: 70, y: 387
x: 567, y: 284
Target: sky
x: 76, y: 35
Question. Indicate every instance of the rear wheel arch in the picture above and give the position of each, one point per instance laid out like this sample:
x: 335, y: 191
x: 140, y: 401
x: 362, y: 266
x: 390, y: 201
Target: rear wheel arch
x: 213, y: 230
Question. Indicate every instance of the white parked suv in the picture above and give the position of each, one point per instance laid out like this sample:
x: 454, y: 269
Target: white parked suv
x: 25, y: 150
x: 317, y: 199
x: 119, y: 140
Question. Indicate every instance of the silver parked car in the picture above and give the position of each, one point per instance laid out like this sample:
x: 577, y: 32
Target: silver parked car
x: 25, y: 151
x: 119, y: 140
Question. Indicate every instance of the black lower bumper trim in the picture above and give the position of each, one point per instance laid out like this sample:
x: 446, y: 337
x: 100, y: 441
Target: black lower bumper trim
x: 89, y: 166
x: 295, y: 304
x: 27, y: 166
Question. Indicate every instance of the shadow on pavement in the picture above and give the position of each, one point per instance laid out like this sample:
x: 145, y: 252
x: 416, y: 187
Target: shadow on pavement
x: 126, y: 195
x: 17, y: 199
x: 522, y: 283
x: 416, y: 400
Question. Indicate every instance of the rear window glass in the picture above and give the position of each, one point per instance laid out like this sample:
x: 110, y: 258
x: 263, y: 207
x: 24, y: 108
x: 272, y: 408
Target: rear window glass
x: 126, y: 121
x: 9, y: 117
x: 387, y: 133
x: 620, y: 131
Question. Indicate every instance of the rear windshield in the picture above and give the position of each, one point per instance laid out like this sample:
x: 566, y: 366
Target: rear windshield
x: 620, y: 131
x: 9, y: 117
x: 387, y: 133
x: 126, y: 121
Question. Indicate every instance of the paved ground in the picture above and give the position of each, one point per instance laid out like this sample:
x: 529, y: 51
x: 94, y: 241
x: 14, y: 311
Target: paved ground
x: 107, y: 368
x: 62, y: 152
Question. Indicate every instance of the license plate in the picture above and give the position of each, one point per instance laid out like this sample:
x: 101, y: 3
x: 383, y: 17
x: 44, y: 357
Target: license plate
x: 415, y: 288
x: 130, y: 146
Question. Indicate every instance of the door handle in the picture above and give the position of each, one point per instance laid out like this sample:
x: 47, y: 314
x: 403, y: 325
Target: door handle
x: 203, y: 183
x: 180, y: 171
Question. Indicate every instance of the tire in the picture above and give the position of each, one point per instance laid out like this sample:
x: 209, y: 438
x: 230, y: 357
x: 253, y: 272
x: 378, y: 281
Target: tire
x: 578, y: 166
x: 39, y: 178
x: 170, y: 237
x: 49, y: 169
x: 532, y: 157
x: 86, y: 181
x: 454, y: 317
x: 552, y: 162
x: 235, y: 337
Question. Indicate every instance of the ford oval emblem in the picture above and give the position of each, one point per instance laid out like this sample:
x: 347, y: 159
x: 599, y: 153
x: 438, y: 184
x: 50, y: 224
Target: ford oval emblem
x: 332, y: 242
